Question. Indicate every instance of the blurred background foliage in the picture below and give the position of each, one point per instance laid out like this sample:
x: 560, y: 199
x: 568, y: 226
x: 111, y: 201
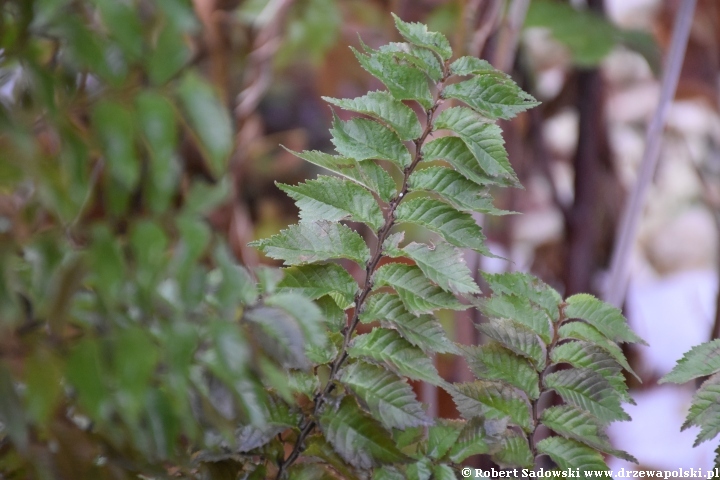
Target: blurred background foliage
x: 139, y: 146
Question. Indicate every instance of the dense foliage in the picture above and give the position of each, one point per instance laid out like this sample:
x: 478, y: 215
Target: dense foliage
x: 131, y: 343
x: 364, y: 411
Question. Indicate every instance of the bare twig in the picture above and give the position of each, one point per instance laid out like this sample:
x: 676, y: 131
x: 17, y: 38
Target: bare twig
x: 619, y: 269
x: 510, y: 35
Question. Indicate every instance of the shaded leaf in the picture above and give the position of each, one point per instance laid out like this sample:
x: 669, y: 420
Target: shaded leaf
x: 368, y: 174
x: 444, y: 265
x: 358, y: 438
x: 606, y: 318
x: 581, y: 354
x: 471, y: 441
x: 578, y: 425
x: 402, y: 80
x: 471, y: 66
x: 209, y: 120
x: 705, y: 410
x: 493, y: 400
x: 454, y: 151
x: 521, y: 310
x: 414, y: 289
x: 310, y: 242
x: 314, y: 281
x: 583, y: 331
x: 417, y: 33
x: 569, y: 454
x: 334, y: 199
x: 493, y: 95
x: 516, y: 337
x: 526, y: 286
x: 453, y: 187
x: 364, y: 139
x: 588, y: 390
x: 456, y: 227
x: 383, y: 107
x: 389, y: 398
x: 388, y: 346
x: 307, y: 314
x: 514, y: 452
x: 482, y: 138
x: 442, y: 436
x: 423, y: 331
x: 699, y: 361
x: 495, y: 362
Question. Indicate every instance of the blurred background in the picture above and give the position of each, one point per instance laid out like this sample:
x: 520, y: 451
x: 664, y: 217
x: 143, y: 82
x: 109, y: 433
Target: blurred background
x: 248, y: 76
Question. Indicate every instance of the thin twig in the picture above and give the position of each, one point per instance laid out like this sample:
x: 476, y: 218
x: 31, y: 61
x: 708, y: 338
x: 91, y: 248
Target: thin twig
x: 510, y: 35
x: 321, y: 398
x: 619, y: 268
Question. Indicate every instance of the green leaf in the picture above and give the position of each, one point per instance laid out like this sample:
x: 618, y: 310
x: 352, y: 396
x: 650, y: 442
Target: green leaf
x: 157, y: 121
x: 454, y: 188
x: 280, y: 335
x: 495, y: 362
x: 12, y: 413
x: 315, y: 281
x: 521, y: 310
x: 493, y: 400
x: 364, y: 139
x: 389, y: 398
x: 569, y: 454
x: 383, y: 107
x: 583, y: 331
x: 402, y: 80
x: 116, y: 130
x: 421, y: 58
x: 420, y: 470
x: 388, y: 473
x: 335, y: 317
x: 588, y: 36
x: 588, y: 390
x: 310, y: 471
x: 454, y: 151
x: 236, y: 284
x: 417, y: 293
x: 86, y: 373
x: 307, y: 314
x: 388, y: 346
x: 423, y: 331
x: 442, y: 436
x: 514, y: 452
x: 358, y: 438
x: 516, y: 337
x: 582, y: 354
x: 443, y: 472
x: 444, y: 265
x: 482, y: 138
x: 492, y: 95
x: 578, y: 425
x: 705, y: 410
x: 310, y: 242
x: 471, y: 441
x: 209, y: 120
x: 606, y: 318
x: 417, y: 33
x: 526, y: 286
x: 368, y: 174
x: 317, y: 446
x: 471, y: 66
x: 334, y: 199
x: 456, y: 227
